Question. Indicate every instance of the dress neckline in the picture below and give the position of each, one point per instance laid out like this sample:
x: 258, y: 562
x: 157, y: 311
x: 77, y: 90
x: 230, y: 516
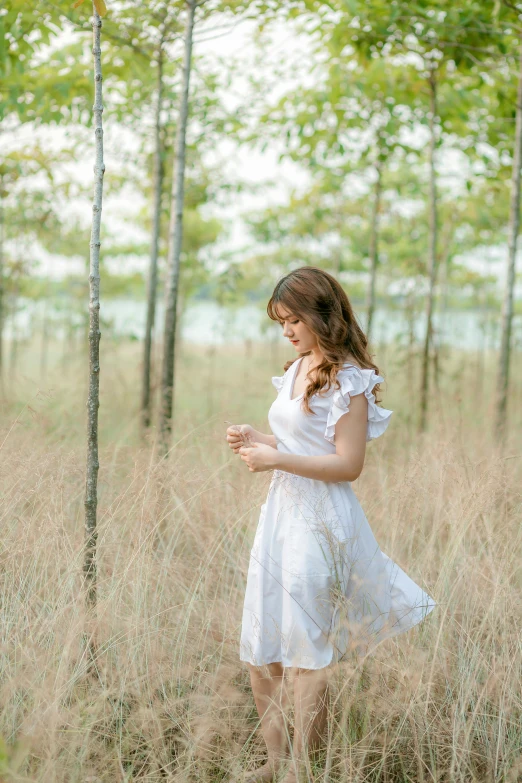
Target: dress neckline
x: 292, y: 380
x: 297, y: 364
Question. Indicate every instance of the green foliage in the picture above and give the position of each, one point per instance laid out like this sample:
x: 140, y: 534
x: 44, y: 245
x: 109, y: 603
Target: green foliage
x: 360, y: 114
x: 39, y: 83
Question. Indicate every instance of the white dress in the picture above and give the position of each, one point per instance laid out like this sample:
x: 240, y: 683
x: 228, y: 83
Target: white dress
x: 319, y: 588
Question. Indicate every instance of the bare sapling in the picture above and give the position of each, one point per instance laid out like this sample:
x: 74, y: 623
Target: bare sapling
x: 175, y: 242
x: 93, y: 401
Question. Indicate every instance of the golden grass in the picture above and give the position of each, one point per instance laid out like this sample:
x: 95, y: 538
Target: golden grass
x: 170, y: 700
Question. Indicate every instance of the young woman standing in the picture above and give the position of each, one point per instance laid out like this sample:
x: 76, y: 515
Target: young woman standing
x: 319, y: 588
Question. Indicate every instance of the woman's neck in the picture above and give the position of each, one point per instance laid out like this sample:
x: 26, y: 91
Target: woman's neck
x: 315, y: 358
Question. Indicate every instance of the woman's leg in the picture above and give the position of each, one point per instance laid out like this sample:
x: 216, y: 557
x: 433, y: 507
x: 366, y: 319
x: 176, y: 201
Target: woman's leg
x: 311, y: 712
x: 269, y: 686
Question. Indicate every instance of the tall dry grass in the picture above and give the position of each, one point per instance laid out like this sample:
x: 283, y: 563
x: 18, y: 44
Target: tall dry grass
x: 170, y: 700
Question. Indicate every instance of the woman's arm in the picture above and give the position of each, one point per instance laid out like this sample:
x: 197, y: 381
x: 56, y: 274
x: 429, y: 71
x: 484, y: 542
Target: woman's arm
x: 350, y: 449
x: 260, y: 437
x: 345, y: 465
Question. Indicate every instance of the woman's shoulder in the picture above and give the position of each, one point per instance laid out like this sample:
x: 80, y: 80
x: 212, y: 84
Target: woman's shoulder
x: 350, y: 369
x: 350, y: 374
x: 279, y: 380
x: 354, y: 380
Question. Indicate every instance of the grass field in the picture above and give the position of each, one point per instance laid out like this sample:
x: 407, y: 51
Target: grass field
x: 170, y: 700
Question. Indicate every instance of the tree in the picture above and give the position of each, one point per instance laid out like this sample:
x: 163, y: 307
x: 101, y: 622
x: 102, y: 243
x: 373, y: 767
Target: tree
x: 446, y: 42
x: 175, y: 238
x: 29, y: 212
x: 145, y: 34
x: 352, y: 121
x: 30, y: 91
x: 155, y: 236
x: 513, y: 231
x: 93, y: 401
x: 256, y: 9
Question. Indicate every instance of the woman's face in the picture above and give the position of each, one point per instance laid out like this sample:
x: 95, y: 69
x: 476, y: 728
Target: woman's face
x: 296, y: 331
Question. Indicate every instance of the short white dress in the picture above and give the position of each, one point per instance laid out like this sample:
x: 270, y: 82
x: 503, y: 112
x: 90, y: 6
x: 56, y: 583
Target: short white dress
x: 319, y: 588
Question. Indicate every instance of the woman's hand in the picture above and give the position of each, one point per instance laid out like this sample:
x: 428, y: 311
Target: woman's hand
x: 240, y: 435
x: 259, y: 457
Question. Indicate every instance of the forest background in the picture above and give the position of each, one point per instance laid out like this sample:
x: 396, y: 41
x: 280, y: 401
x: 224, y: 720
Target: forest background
x: 380, y: 141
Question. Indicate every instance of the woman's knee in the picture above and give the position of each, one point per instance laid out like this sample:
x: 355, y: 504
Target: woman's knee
x: 268, y: 670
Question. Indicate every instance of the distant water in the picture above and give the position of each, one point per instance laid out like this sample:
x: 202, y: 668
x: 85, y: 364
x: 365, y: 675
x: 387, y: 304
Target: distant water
x: 206, y: 322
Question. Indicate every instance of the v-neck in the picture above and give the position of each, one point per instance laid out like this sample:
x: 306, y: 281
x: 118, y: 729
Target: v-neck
x: 292, y: 384
x: 297, y: 364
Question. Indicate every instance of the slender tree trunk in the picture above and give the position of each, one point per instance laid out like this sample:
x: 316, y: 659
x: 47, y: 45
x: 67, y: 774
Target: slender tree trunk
x: 69, y: 340
x: 507, y: 305
x: 13, y: 357
x: 432, y: 258
x: 445, y: 284
x: 153, y: 268
x: 443, y: 263
x: 93, y: 403
x: 411, y: 363
x: 44, y: 344
x: 211, y: 382
x: 175, y: 242
x: 481, y: 348
x: 374, y: 252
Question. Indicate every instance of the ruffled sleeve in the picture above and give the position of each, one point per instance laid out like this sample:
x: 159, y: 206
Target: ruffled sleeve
x: 355, y: 381
x: 277, y: 381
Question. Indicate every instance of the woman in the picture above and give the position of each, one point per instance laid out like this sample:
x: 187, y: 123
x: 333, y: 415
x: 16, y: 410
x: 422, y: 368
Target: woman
x: 319, y: 588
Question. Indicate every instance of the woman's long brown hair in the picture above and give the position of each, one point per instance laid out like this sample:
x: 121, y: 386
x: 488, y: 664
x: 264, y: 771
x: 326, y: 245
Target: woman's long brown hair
x: 320, y: 302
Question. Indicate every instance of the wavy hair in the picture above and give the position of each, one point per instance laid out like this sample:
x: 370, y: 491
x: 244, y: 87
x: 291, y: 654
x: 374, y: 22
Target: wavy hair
x: 320, y: 302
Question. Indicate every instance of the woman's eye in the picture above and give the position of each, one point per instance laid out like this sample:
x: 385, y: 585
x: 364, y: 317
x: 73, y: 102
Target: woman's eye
x: 294, y: 322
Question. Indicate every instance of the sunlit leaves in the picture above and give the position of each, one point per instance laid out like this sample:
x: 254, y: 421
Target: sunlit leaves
x: 100, y: 6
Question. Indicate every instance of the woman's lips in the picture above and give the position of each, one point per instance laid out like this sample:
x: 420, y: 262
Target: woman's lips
x: 294, y: 342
